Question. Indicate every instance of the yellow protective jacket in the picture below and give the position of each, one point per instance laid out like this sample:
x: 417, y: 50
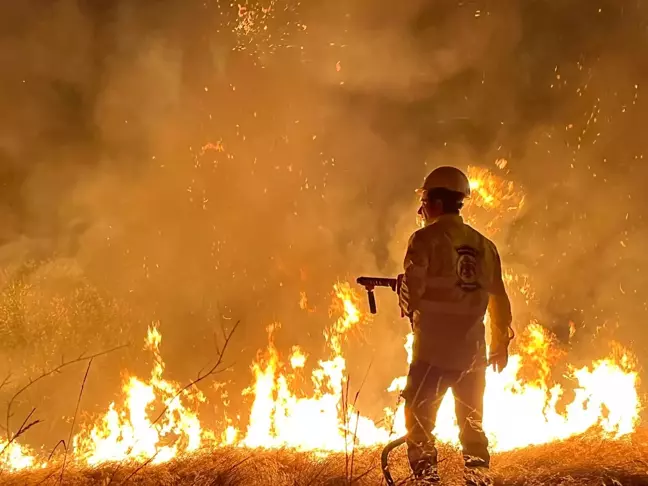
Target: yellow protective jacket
x: 452, y: 276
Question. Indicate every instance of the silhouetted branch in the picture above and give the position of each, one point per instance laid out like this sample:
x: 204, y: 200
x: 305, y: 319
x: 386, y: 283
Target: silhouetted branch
x: 345, y: 411
x: 45, y: 374
x: 355, y: 432
x: 76, y: 412
x: 24, y: 427
x: 213, y: 370
x: 49, y: 458
x: 5, y: 382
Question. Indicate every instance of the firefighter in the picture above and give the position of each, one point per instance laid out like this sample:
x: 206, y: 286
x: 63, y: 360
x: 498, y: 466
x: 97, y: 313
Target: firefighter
x: 452, y: 276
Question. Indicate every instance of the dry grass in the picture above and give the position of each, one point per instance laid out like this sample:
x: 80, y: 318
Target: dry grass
x: 578, y: 461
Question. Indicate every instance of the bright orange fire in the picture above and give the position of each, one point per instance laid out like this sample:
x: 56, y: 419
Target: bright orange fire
x: 131, y: 431
x: 281, y: 418
x: 14, y: 457
x: 155, y: 421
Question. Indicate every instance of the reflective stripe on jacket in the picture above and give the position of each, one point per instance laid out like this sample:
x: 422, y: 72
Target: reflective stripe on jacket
x: 452, y: 275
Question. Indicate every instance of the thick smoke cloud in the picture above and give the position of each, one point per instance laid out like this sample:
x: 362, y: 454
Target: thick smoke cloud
x: 198, y: 163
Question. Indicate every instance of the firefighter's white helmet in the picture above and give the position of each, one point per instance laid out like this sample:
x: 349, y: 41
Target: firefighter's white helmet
x: 449, y: 178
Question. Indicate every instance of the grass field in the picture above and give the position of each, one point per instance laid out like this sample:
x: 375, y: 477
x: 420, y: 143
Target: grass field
x: 577, y: 461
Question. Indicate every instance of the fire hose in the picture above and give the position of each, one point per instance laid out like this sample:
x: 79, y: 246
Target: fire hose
x: 384, y: 458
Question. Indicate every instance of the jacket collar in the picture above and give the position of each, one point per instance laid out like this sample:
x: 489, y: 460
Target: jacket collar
x: 447, y: 218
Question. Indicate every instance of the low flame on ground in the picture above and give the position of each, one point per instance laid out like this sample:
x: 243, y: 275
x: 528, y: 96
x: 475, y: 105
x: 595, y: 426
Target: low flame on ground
x: 133, y: 431
x: 14, y: 457
x: 605, y: 396
x: 155, y: 421
x: 280, y: 417
x: 512, y: 403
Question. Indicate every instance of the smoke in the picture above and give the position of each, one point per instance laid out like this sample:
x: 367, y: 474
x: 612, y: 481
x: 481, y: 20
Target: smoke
x: 200, y: 163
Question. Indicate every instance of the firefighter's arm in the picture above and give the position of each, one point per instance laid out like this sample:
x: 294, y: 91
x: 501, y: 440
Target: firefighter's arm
x: 415, y: 267
x: 499, y: 310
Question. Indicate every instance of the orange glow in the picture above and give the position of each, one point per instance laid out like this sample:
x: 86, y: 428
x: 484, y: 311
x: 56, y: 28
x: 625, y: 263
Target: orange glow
x: 523, y: 405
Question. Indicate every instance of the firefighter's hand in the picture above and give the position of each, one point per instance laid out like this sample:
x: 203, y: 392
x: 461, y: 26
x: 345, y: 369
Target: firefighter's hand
x: 498, y: 360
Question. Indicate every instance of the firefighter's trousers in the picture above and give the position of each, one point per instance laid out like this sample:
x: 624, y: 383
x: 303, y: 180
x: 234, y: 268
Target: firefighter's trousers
x: 426, y: 387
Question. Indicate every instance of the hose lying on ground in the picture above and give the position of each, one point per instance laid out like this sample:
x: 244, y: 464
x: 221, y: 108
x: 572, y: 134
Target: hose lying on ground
x: 385, y: 457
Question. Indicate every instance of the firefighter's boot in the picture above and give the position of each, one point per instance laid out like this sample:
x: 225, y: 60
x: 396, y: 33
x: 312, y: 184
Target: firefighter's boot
x: 476, y: 472
x: 423, y: 461
x: 426, y: 475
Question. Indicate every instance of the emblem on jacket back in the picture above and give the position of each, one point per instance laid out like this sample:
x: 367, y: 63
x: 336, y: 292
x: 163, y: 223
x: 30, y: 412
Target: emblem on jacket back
x: 467, y: 268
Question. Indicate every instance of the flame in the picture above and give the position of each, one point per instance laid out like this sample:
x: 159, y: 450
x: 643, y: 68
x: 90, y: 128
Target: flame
x: 493, y: 198
x: 155, y: 421
x: 523, y: 397
x: 346, y: 303
x: 281, y: 417
x: 513, y: 402
x: 14, y: 457
x: 606, y: 396
x: 133, y: 431
x: 297, y: 358
x: 492, y: 191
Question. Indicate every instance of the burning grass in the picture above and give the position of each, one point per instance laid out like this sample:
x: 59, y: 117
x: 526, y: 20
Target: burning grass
x: 583, y: 460
x: 130, y: 444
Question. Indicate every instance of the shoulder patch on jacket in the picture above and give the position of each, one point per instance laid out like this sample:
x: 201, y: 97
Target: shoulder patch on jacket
x: 467, y: 268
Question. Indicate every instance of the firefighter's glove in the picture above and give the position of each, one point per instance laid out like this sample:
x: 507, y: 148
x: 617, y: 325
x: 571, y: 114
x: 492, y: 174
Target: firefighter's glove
x: 498, y: 358
x: 498, y: 355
